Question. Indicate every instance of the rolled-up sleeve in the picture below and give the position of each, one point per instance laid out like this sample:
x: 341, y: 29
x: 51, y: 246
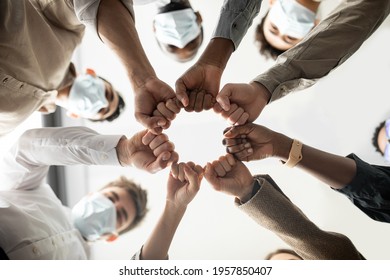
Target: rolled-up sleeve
x: 86, y: 11
x: 331, y: 43
x: 235, y: 18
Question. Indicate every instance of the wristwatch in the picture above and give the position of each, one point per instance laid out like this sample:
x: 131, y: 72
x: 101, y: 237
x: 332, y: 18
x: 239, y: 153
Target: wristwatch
x: 295, y: 154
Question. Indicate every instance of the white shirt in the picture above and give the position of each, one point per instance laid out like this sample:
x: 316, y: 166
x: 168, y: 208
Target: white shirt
x: 33, y: 222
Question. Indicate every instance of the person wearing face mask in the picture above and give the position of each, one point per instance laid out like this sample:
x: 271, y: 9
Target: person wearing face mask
x: 178, y: 29
x: 381, y: 139
x: 365, y: 185
x: 90, y: 97
x: 37, y: 41
x: 320, y: 52
x: 285, y: 24
x: 35, y: 224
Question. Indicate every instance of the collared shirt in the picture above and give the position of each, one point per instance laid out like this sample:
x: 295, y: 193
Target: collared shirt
x: 38, y: 38
x: 34, y: 223
x: 331, y: 43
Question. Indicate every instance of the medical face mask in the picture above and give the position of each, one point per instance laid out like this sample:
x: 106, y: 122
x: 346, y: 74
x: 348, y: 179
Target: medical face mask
x: 386, y: 154
x: 292, y: 18
x: 176, y: 28
x: 87, y: 96
x: 94, y: 216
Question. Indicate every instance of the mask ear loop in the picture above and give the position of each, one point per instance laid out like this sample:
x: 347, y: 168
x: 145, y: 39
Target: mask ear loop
x: 91, y: 72
x: 112, y: 237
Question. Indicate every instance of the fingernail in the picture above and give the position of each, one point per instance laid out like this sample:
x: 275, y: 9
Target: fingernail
x: 161, y: 122
x: 227, y: 133
x: 247, y: 145
x: 250, y: 150
x: 223, y: 141
x: 165, y: 157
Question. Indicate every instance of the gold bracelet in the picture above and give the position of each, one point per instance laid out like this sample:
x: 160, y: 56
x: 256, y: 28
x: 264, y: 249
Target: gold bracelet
x: 295, y: 154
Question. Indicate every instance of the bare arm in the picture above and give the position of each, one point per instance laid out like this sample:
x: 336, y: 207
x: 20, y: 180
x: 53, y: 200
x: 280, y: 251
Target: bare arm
x: 254, y: 142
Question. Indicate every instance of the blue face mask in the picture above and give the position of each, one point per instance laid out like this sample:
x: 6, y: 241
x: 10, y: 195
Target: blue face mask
x: 94, y: 216
x: 387, y: 148
x: 291, y: 18
x: 176, y: 28
x: 87, y: 96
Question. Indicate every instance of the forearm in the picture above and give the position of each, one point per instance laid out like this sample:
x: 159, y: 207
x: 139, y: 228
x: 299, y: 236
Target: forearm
x: 27, y: 163
x: 235, y: 18
x: 116, y: 27
x: 271, y: 209
x: 333, y: 170
x: 157, y: 245
x: 331, y: 43
x: 217, y: 52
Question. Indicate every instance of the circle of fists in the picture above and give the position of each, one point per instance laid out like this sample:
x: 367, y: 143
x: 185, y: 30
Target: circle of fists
x: 197, y: 90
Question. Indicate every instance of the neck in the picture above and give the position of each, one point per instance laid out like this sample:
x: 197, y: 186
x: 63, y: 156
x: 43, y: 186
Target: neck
x: 310, y: 4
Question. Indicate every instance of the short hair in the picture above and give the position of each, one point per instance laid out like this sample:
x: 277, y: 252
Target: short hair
x: 265, y: 47
x: 138, y: 195
x: 119, y: 109
x: 374, y: 139
x: 174, y: 6
x: 281, y: 251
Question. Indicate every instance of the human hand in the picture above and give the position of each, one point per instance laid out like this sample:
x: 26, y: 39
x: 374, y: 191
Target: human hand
x: 239, y: 103
x: 202, y: 78
x: 147, y: 151
x: 254, y: 142
x: 146, y: 99
x: 230, y: 176
x: 184, y: 183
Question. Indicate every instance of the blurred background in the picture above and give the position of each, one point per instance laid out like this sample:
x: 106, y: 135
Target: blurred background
x: 338, y: 114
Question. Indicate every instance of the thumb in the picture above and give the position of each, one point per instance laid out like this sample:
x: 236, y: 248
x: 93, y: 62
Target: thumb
x: 192, y: 178
x: 181, y: 92
x: 161, y: 162
x: 223, y: 98
x: 238, y: 130
x: 154, y: 124
x: 210, y: 175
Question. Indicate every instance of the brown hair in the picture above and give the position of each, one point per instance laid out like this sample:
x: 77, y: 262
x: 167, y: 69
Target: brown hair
x: 374, y: 139
x: 281, y: 251
x: 265, y: 48
x: 138, y: 195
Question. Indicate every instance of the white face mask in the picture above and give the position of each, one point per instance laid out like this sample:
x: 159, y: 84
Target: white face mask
x: 291, y: 18
x: 87, y: 96
x: 94, y: 216
x: 176, y: 28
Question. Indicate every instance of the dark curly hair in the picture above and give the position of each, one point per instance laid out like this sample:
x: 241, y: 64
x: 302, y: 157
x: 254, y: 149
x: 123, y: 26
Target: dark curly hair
x: 119, y: 109
x: 374, y: 139
x: 280, y: 251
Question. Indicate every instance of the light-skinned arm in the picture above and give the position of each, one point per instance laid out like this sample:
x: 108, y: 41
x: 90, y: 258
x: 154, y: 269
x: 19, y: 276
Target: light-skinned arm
x: 323, y: 50
x: 147, y: 151
x: 183, y: 185
x: 116, y: 28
